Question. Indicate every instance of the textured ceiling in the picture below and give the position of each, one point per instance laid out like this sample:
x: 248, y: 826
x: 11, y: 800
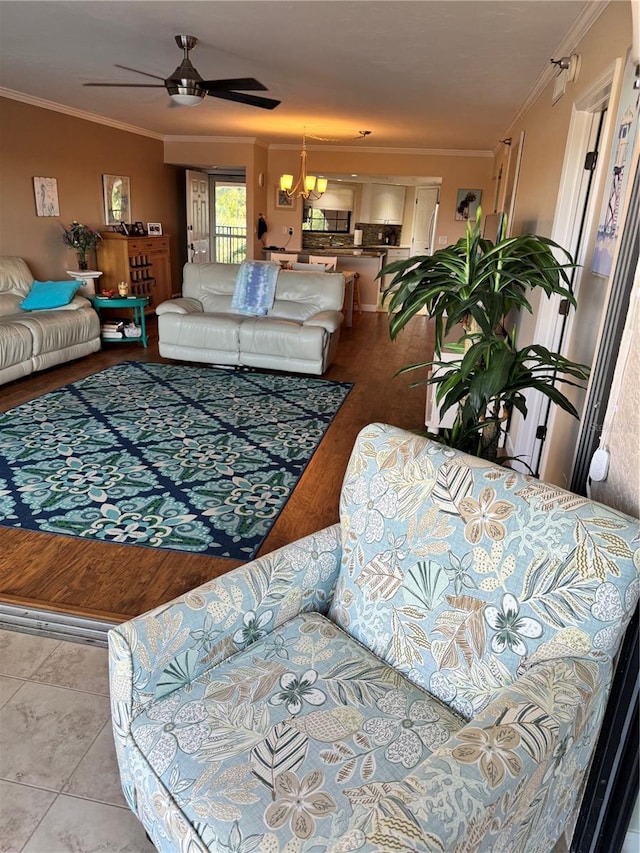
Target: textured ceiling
x: 419, y: 74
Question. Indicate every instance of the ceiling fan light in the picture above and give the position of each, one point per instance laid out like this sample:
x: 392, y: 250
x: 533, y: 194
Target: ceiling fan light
x: 185, y: 92
x: 188, y: 100
x: 286, y: 182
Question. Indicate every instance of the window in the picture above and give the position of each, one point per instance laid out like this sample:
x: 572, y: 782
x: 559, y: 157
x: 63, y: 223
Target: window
x: 320, y: 219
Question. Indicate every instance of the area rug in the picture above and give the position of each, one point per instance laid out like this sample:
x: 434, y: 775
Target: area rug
x: 167, y: 456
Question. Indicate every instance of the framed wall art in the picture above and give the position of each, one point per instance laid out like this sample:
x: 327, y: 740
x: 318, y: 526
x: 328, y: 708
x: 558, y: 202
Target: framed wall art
x: 467, y: 203
x: 46, y: 195
x: 618, y: 171
x: 117, y: 199
x: 283, y: 201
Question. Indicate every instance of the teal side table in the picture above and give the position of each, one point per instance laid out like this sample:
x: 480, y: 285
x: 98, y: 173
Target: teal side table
x: 136, y: 303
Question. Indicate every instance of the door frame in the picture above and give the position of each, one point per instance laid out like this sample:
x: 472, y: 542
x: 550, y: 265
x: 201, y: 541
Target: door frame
x: 549, y: 322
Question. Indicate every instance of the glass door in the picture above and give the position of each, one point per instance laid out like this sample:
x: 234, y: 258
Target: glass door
x: 229, y: 215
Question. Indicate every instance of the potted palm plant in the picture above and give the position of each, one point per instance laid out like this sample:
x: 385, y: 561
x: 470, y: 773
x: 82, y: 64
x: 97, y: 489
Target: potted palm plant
x: 474, y: 285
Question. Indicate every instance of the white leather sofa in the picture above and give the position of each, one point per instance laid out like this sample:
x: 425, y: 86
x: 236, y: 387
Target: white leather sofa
x: 300, y: 332
x: 35, y: 340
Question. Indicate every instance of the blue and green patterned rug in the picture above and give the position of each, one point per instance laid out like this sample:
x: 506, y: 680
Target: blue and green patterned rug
x: 168, y: 456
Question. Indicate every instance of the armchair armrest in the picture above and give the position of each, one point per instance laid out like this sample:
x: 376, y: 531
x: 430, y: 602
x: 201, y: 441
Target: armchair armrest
x: 171, y: 646
x: 516, y: 765
x: 329, y: 320
x: 181, y: 305
x: 166, y: 648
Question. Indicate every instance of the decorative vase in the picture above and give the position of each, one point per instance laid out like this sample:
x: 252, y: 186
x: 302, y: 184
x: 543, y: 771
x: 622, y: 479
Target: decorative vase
x: 82, y: 262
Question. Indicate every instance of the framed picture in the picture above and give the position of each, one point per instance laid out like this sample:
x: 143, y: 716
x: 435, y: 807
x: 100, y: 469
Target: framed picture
x: 283, y: 201
x: 619, y: 171
x: 154, y: 229
x: 467, y: 203
x: 124, y: 229
x: 117, y: 199
x: 46, y: 195
x: 138, y: 229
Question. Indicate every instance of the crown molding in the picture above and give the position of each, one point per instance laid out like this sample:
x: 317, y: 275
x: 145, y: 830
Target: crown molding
x: 567, y: 46
x: 33, y: 101
x: 424, y: 152
x: 234, y: 140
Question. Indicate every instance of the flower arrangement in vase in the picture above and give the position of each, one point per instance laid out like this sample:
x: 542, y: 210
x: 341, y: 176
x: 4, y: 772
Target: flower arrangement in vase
x: 81, y: 238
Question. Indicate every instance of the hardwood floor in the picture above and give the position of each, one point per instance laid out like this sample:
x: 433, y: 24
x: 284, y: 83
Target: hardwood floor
x: 114, y: 582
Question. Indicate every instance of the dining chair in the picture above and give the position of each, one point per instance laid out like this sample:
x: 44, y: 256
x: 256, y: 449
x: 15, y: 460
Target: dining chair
x: 328, y: 263
x: 285, y: 261
x: 309, y: 267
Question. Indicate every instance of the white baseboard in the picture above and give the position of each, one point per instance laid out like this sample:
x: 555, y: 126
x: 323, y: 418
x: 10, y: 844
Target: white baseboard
x: 371, y: 308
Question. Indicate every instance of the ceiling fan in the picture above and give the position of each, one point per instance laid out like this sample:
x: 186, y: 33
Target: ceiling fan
x: 186, y: 86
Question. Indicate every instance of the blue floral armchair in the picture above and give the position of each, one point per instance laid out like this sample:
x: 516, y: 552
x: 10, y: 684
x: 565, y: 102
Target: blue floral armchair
x: 427, y: 675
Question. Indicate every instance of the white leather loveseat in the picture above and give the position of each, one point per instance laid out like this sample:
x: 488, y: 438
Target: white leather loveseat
x: 35, y: 340
x: 299, y: 333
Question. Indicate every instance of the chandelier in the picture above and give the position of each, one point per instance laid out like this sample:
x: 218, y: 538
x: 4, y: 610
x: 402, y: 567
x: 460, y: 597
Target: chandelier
x: 307, y: 185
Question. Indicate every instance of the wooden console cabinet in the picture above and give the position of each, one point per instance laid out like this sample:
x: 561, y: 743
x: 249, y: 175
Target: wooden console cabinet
x: 143, y: 262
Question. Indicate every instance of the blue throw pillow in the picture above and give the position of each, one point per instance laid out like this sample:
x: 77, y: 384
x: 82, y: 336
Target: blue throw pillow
x: 50, y: 294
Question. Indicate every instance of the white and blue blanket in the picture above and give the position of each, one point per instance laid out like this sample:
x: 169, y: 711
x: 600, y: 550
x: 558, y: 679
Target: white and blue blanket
x: 255, y: 287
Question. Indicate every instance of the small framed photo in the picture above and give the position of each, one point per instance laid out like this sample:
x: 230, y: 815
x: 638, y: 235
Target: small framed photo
x: 283, y: 201
x: 124, y: 229
x: 154, y: 229
x: 139, y: 230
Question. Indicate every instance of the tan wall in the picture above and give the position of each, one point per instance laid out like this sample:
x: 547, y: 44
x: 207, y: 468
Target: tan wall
x: 457, y: 172
x: 546, y: 128
x: 237, y: 154
x: 621, y: 489
x: 43, y: 143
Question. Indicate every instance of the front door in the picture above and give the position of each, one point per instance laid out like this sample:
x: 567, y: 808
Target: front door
x: 198, y: 238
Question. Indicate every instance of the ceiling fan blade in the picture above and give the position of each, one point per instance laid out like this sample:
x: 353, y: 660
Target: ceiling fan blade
x: 244, y: 84
x: 135, y: 71
x: 128, y: 85
x: 250, y: 100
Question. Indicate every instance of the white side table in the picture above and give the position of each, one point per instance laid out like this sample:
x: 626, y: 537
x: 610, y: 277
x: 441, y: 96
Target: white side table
x: 88, y: 279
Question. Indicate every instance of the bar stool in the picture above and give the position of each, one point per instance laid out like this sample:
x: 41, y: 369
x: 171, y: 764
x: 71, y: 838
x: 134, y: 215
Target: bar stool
x: 356, y: 292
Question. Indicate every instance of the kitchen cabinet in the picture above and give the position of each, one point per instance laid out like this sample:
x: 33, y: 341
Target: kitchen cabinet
x: 393, y: 255
x: 382, y: 204
x: 143, y: 262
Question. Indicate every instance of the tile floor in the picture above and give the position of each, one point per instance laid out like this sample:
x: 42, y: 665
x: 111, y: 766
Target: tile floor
x: 59, y: 787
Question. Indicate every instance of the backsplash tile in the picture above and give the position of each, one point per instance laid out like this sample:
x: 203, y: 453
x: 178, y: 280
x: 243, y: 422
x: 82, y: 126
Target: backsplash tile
x: 370, y: 237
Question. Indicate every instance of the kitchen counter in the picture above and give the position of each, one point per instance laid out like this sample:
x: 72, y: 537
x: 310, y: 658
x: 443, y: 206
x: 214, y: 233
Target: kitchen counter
x: 337, y: 252
x: 366, y: 262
